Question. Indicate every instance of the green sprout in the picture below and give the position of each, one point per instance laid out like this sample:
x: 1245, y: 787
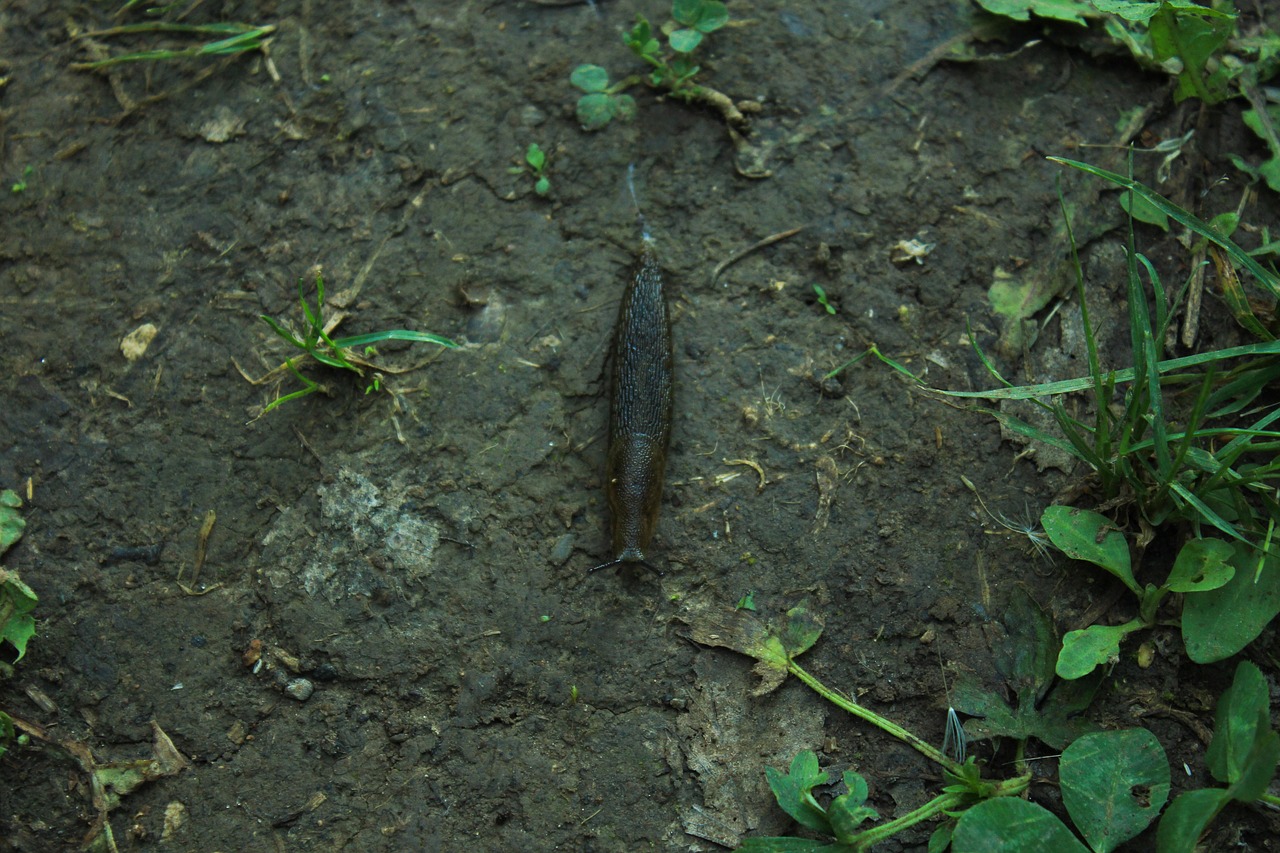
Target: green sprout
x: 20, y: 185
x: 822, y: 299
x: 673, y: 68
x: 602, y: 102
x: 317, y: 344
x: 536, y: 164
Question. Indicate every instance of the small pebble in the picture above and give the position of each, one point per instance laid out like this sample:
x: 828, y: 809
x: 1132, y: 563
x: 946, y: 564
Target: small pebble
x: 300, y: 689
x: 325, y: 672
x: 563, y: 549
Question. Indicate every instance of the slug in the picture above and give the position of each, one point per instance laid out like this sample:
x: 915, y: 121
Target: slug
x: 640, y: 411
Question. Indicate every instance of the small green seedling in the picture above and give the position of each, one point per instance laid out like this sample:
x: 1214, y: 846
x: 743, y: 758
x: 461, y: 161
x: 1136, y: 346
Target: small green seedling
x: 20, y: 185
x: 822, y: 299
x: 672, y: 69
x: 536, y: 164
x: 603, y: 101
x: 317, y: 344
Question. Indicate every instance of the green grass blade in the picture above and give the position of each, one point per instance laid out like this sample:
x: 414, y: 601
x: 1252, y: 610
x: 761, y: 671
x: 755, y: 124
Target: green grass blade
x: 1209, y: 515
x: 393, y: 335
x: 1066, y: 386
x: 1184, y: 218
x: 284, y: 333
x: 1016, y: 425
x: 217, y: 29
x: 236, y: 44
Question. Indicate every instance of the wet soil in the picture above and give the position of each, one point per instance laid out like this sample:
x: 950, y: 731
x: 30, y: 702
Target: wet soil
x: 393, y: 642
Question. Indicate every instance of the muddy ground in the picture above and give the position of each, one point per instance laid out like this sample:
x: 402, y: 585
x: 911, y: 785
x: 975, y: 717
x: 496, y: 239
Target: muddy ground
x: 393, y: 642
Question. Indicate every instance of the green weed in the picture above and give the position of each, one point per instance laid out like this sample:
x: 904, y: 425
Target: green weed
x: 1243, y: 755
x: 775, y: 649
x: 20, y: 185
x: 1189, y: 452
x: 535, y: 164
x: 1202, y: 46
x: 1114, y: 784
x: 822, y: 298
x: 673, y: 68
x: 17, y: 626
x: 316, y: 344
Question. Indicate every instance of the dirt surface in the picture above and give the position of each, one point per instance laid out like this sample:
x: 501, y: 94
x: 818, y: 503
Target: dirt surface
x: 393, y: 642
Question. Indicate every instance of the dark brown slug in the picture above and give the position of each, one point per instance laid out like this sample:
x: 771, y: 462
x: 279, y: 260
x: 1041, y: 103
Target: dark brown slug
x: 640, y: 412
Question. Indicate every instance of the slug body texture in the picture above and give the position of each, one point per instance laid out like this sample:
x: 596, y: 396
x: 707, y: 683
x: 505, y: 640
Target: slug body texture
x: 640, y: 411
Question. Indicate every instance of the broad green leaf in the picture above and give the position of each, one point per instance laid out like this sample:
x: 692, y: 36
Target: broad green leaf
x: 1236, y: 726
x: 1054, y: 718
x: 1011, y: 825
x: 1114, y: 784
x: 595, y: 110
x: 1085, y: 535
x: 1201, y: 565
x: 800, y: 631
x: 1095, y: 646
x: 685, y: 41
x: 1270, y: 168
x: 1025, y: 660
x: 686, y: 11
x: 1058, y: 10
x: 1144, y: 211
x: 590, y: 78
x: 849, y: 811
x: 746, y: 633
x: 940, y: 840
x: 714, y: 16
x: 623, y: 107
x: 535, y: 157
x: 1218, y: 623
x: 11, y: 523
x: 1187, y: 818
x: 1128, y: 9
x: 1015, y: 299
x: 794, y: 791
x: 1192, y: 40
x: 16, y: 603
x: 847, y: 818
x: 1259, y: 766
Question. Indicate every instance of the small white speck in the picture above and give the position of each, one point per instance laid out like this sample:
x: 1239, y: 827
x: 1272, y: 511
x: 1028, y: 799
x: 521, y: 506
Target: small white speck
x: 1186, y: 767
x: 177, y: 686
